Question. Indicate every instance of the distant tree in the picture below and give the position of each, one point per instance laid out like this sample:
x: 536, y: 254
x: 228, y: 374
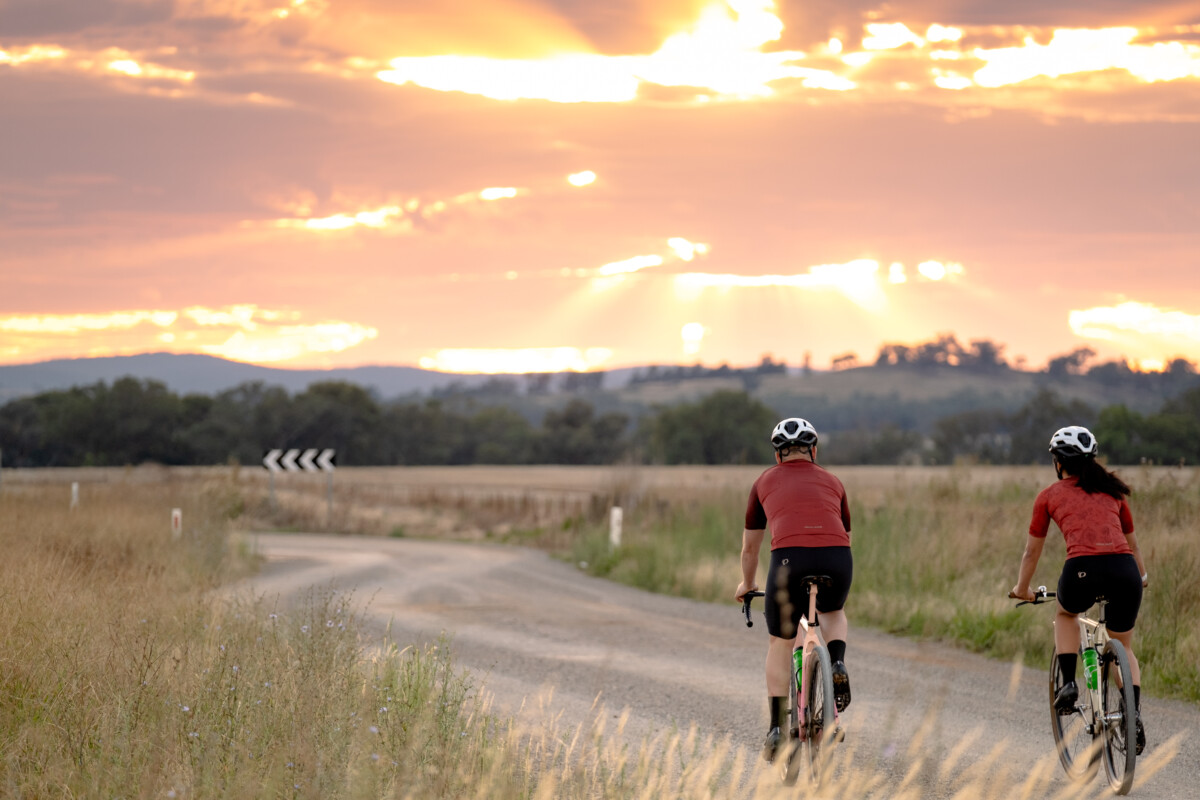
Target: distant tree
x: 726, y: 427
x: 983, y: 355
x: 1033, y: 424
x: 1070, y: 364
x: 538, y: 382
x: 502, y: 436
x: 583, y: 382
x: 845, y: 361
x: 980, y: 435
x: 575, y: 435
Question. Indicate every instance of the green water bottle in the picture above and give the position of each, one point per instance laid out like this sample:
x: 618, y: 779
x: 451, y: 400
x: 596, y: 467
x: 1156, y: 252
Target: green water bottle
x: 797, y: 664
x: 1091, y: 668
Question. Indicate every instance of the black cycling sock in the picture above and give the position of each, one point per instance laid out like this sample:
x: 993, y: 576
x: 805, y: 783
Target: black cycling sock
x: 1067, y: 664
x: 1137, y: 697
x: 837, y: 650
x: 779, y: 711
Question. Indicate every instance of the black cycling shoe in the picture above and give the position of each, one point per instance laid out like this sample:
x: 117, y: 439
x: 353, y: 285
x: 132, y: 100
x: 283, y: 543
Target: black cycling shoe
x: 771, y: 745
x: 1065, y: 697
x: 841, y: 686
x: 1141, y: 734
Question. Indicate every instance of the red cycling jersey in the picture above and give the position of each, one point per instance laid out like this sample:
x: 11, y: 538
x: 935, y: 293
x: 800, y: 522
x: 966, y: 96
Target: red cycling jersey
x: 1092, y: 524
x: 805, y: 505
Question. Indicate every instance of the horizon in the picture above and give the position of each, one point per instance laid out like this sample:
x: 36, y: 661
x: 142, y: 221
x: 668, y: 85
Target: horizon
x: 1020, y: 366
x: 514, y: 186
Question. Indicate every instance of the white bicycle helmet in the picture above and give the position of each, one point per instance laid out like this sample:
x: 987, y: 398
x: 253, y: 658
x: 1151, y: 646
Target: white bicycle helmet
x: 793, y: 431
x: 1073, y: 441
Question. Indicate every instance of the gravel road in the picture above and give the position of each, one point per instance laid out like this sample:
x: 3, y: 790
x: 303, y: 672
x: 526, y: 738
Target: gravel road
x: 525, y: 623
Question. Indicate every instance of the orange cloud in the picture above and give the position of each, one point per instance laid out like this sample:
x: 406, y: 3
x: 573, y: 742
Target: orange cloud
x: 1140, y: 331
x: 239, y: 332
x: 493, y: 361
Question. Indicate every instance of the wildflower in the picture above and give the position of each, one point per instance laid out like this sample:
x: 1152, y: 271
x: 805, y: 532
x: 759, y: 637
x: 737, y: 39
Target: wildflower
x: 184, y: 709
x: 267, y: 684
x: 374, y: 756
x: 170, y: 793
x: 235, y: 667
x: 373, y: 729
x: 273, y: 616
x: 383, y: 709
x: 328, y: 623
x: 304, y: 629
x: 193, y: 735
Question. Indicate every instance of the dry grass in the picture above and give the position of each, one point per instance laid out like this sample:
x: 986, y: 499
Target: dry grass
x: 125, y: 675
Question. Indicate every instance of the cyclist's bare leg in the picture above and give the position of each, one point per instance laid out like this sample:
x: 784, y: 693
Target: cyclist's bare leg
x: 1066, y: 631
x: 1126, y: 638
x: 779, y: 666
x: 833, y: 625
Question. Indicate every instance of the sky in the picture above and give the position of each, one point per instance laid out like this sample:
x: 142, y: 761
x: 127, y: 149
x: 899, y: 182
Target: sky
x: 541, y: 185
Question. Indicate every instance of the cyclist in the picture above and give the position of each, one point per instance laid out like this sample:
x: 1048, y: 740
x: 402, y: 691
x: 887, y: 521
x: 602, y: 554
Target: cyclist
x: 1103, y: 559
x: 806, y: 508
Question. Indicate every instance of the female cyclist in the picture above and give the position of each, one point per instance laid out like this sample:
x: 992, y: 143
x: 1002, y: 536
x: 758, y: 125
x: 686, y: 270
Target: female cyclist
x: 1103, y: 558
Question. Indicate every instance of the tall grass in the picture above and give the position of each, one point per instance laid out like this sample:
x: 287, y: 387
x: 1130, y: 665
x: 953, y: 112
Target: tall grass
x: 128, y: 672
x: 932, y: 559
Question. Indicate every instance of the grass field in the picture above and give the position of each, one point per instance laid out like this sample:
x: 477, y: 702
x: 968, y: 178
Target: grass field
x: 126, y: 670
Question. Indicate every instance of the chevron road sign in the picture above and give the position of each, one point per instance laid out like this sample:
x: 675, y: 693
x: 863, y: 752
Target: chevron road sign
x: 296, y: 460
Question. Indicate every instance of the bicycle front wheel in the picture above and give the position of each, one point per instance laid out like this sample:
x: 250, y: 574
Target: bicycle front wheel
x: 820, y: 718
x: 1074, y: 737
x: 1118, y: 717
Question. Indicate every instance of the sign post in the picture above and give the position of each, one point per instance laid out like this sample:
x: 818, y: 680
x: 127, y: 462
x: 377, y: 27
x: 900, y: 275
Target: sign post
x: 615, y: 518
x: 74, y: 495
x: 176, y: 523
x: 309, y: 460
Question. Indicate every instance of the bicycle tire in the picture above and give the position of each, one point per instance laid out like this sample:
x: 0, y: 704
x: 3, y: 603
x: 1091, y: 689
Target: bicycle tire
x: 792, y: 754
x: 820, y: 712
x: 1119, y: 720
x: 1077, y: 749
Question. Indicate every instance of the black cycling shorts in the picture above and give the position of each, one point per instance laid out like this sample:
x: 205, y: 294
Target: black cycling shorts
x: 1115, y: 577
x: 785, y: 600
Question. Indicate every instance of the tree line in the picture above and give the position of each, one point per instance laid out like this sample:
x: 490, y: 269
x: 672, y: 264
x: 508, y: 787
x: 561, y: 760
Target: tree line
x: 133, y: 421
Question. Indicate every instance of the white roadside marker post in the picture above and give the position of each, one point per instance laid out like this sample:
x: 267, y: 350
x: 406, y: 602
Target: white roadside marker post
x: 176, y: 524
x: 74, y: 495
x: 614, y: 527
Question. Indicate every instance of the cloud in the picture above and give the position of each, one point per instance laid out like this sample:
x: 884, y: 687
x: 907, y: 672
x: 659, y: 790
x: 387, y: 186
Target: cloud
x: 493, y: 361
x: 239, y: 332
x: 52, y: 17
x: 1141, y: 330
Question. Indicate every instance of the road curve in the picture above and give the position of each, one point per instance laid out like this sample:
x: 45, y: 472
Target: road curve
x: 525, y: 622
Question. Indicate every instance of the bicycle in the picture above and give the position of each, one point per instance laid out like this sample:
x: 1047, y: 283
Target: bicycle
x: 1100, y: 724
x: 814, y: 717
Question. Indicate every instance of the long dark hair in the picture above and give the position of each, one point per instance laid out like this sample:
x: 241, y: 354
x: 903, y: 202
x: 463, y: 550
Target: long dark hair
x: 1092, y: 476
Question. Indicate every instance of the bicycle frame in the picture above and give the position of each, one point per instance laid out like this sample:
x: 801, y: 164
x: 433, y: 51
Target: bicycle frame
x: 1093, y: 634
x: 810, y: 641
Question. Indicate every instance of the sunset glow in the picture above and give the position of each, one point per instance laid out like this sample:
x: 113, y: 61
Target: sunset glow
x: 239, y: 332
x: 517, y: 361
x: 1076, y: 51
x: 483, y: 186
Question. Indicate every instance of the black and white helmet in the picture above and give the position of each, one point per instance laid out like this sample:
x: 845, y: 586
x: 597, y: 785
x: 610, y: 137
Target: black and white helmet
x: 793, y: 431
x: 1073, y: 441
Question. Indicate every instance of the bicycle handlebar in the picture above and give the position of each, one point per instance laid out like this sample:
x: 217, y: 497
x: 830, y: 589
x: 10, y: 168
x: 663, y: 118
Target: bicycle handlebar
x: 1039, y: 597
x: 746, y: 598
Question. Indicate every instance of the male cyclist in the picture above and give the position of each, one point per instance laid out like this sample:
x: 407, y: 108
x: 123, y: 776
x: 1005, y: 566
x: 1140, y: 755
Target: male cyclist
x: 806, y: 508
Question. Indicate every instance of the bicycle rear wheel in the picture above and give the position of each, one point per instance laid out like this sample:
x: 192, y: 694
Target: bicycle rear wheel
x: 820, y: 716
x: 793, y: 759
x: 1075, y: 743
x: 1118, y: 717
